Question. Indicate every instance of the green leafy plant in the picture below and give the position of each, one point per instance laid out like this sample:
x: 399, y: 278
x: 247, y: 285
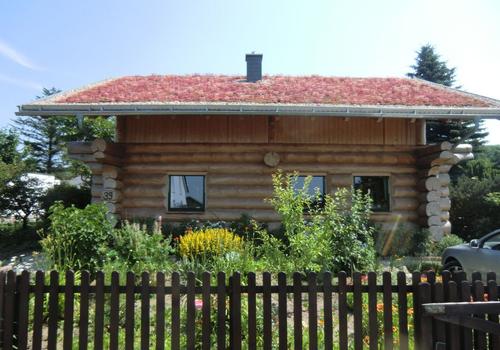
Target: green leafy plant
x: 133, y: 248
x: 330, y: 232
x: 445, y: 242
x: 77, y: 237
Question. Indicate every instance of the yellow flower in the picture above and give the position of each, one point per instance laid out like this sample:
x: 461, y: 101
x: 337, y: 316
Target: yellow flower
x: 209, y: 242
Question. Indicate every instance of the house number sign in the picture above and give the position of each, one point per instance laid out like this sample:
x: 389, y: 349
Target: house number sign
x: 107, y: 195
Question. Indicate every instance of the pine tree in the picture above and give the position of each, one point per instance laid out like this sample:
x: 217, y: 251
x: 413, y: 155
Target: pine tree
x: 44, y: 139
x: 429, y: 66
x: 11, y: 164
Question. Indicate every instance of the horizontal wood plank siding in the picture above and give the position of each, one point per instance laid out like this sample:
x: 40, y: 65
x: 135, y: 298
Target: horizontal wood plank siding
x: 267, y: 129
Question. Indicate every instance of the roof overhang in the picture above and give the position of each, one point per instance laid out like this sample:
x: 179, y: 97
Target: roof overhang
x: 115, y: 109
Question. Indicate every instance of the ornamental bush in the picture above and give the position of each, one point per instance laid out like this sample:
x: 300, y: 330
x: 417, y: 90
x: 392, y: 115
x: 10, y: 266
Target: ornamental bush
x: 322, y: 232
x: 133, y: 248
x: 77, y: 238
x: 209, y: 243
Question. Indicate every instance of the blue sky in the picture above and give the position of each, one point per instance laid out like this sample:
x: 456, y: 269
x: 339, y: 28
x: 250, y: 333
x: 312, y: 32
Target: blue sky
x: 67, y: 44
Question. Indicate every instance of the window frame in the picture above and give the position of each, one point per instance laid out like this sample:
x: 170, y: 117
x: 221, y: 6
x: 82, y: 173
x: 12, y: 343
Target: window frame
x: 186, y: 210
x: 389, y: 190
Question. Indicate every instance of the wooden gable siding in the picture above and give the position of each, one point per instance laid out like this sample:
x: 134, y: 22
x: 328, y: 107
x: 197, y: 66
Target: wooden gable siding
x: 238, y: 181
x: 264, y: 129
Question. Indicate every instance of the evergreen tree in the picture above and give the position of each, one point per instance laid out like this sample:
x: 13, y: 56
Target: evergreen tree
x: 11, y: 164
x: 44, y: 139
x: 429, y: 66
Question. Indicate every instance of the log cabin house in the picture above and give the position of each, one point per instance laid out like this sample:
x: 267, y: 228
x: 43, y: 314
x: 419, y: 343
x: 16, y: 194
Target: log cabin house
x: 205, y: 146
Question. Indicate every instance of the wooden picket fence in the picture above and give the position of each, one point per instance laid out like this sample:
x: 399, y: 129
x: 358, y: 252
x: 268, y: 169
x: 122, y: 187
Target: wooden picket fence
x: 69, y: 315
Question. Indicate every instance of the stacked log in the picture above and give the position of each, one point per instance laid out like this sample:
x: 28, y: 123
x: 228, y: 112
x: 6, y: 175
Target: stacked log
x: 435, y: 162
x: 83, y: 152
x: 238, y: 179
x: 104, y: 160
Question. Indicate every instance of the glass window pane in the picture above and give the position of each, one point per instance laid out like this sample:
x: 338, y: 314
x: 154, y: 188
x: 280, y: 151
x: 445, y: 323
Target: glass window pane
x: 317, y: 184
x: 493, y: 241
x: 377, y: 187
x: 187, y: 192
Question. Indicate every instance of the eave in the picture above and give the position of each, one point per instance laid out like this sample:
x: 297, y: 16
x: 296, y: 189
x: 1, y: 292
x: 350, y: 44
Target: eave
x: 116, y: 109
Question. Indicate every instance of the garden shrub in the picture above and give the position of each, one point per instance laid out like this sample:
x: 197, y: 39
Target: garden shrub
x: 77, y: 237
x: 445, y: 242
x: 335, y: 235
x: 133, y: 248
x: 68, y: 195
x: 209, y: 243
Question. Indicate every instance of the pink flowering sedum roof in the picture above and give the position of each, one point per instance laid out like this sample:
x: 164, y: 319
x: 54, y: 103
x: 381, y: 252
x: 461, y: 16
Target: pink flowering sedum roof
x: 272, y: 90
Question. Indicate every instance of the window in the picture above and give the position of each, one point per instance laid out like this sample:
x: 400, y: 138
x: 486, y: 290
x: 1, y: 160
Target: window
x: 377, y: 187
x: 316, y: 185
x: 492, y: 242
x: 186, y: 193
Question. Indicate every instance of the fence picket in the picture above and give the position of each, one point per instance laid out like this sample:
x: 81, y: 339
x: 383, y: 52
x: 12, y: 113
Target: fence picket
x: 221, y: 311
x: 23, y: 308
x: 438, y: 326
x: 99, y: 311
x: 266, y: 300
x: 478, y: 295
x: 114, y: 311
x: 2, y: 295
x: 357, y: 312
x: 8, y: 320
x: 297, y: 311
x: 312, y: 298
x: 191, y: 311
x: 252, y: 312
x: 465, y: 295
x: 145, y: 304
x: 494, y: 340
x: 176, y: 312
x: 327, y: 310
x: 206, y: 327
x: 452, y: 331
x: 388, y: 336
x: 69, y: 304
x: 53, y: 310
x: 129, y: 311
x: 83, y: 324
x: 342, y: 281
x: 38, y: 311
x: 160, y: 311
x: 372, y: 310
x: 415, y: 281
x: 236, y: 312
x: 282, y: 314
x: 425, y: 336
x: 402, y: 311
